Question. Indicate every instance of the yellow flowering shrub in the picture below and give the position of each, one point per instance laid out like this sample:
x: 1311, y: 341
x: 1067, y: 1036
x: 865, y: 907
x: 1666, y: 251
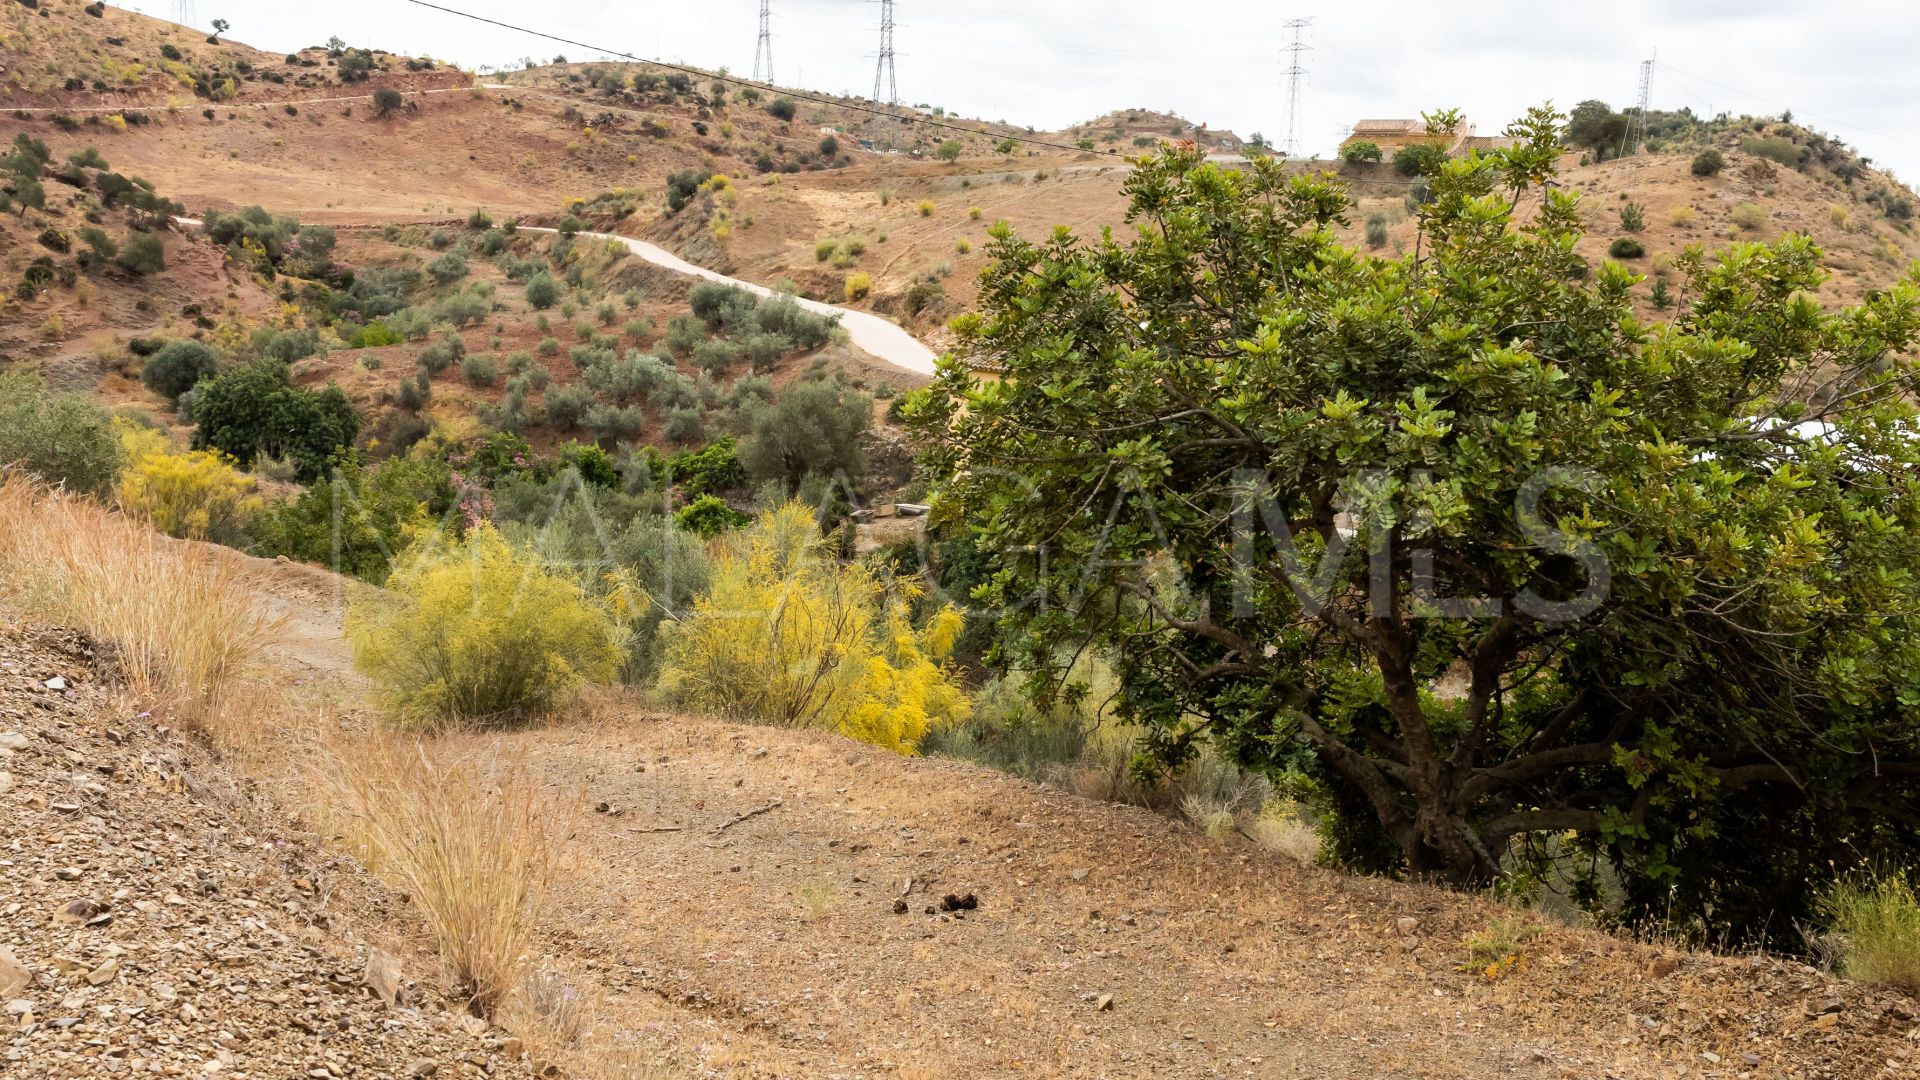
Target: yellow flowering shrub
x: 789, y: 635
x: 196, y: 494
x: 483, y: 631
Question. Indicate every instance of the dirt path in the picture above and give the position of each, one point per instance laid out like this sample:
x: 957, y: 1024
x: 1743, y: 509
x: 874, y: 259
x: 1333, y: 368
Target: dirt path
x: 749, y: 901
x: 879, y: 336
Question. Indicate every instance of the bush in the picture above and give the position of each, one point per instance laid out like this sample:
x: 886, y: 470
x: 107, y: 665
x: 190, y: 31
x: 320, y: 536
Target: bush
x: 255, y: 410
x: 59, y: 438
x: 789, y: 635
x: 1877, y: 919
x: 448, y: 268
x: 360, y: 520
x: 1626, y: 247
x: 197, y: 495
x: 1709, y: 162
x: 479, y: 370
x: 783, y: 108
x: 814, y: 427
x: 717, y: 356
x: 1420, y: 159
x: 1633, y: 217
x: 387, y: 101
x: 1355, y: 153
x: 925, y: 208
x: 488, y: 633
x: 708, y: 517
x: 949, y: 151
x: 684, y: 332
x: 142, y: 254
x: 442, y: 354
x: 1376, y: 230
x: 1777, y: 148
x: 1750, y: 216
x: 681, y: 187
x: 859, y: 284
x: 542, y: 291
x: 178, y: 367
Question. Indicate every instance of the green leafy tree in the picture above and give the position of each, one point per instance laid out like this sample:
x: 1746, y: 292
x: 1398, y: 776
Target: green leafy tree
x: 177, y: 367
x: 1508, y: 572
x: 951, y: 150
x: 142, y: 254
x: 256, y: 409
x: 1420, y: 159
x: 57, y: 437
x: 1594, y: 125
x: 1361, y: 151
x: 813, y: 427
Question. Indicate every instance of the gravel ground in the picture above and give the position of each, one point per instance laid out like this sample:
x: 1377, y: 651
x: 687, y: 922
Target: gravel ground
x: 155, y: 918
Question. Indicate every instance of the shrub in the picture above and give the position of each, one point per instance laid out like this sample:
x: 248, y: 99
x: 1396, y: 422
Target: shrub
x: 717, y: 356
x: 387, y: 101
x: 479, y: 370
x: 142, y: 254
x: 549, y: 346
x: 1420, y: 159
x: 479, y: 221
x: 783, y: 108
x: 1626, y: 247
x: 638, y: 330
x: 949, y: 151
x: 487, y: 633
x: 1877, y: 918
x: 824, y: 249
x: 443, y: 354
x: 1750, y: 216
x: 962, y: 246
x: 1777, y: 148
x: 684, y: 425
x: 1709, y: 162
x: 708, y: 517
x: 1681, y: 215
x: 787, y: 634
x: 1377, y: 230
x: 681, y: 187
x: 859, y: 284
x: 178, y: 367
x: 925, y: 208
x: 359, y: 520
x: 255, y: 410
x: 58, y: 438
x: 448, y: 268
x: 197, y: 495
x: 814, y: 427
x: 1356, y: 153
x: 542, y: 291
x: 1633, y: 217
x: 684, y: 332
x: 567, y: 405
x: 182, y: 627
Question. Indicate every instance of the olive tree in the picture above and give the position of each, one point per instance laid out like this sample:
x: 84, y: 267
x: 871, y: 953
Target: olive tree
x: 1505, y: 573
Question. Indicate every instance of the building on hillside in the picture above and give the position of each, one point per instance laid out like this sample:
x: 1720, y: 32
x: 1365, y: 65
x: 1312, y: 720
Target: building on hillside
x: 1395, y: 135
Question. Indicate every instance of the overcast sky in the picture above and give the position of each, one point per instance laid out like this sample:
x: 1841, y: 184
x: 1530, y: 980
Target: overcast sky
x: 1846, y: 66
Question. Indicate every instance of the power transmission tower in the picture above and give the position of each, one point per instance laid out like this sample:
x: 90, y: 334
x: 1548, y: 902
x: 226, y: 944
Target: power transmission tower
x: 1297, y: 51
x: 763, y: 52
x: 1640, y: 114
x: 183, y: 12
x: 883, y: 74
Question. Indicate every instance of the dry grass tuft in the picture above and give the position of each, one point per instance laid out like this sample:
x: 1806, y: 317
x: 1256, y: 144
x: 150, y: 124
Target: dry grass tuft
x: 179, y: 617
x: 463, y: 831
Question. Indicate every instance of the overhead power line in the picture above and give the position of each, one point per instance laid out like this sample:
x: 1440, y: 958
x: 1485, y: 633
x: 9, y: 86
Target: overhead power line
x: 798, y: 95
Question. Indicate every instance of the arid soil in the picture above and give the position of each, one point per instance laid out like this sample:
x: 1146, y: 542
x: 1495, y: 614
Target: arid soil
x: 746, y: 901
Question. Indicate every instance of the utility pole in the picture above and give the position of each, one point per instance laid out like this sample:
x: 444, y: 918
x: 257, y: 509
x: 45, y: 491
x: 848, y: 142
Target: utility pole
x: 1627, y: 141
x: 883, y: 73
x: 183, y: 12
x: 763, y: 52
x: 1297, y: 51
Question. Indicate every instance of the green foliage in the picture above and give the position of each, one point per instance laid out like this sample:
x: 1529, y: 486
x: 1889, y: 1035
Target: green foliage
x: 1696, y: 652
x: 711, y: 470
x: 488, y: 633
x: 1626, y: 247
x: 681, y: 187
x: 177, y: 367
x: 1361, y: 151
x: 1420, y: 159
x: 1777, y: 148
x: 61, y: 438
x: 708, y: 517
x: 255, y: 410
x: 783, y: 108
x: 1877, y: 920
x: 1633, y: 217
x: 143, y: 253
x: 814, y: 427
x: 1595, y: 126
x: 359, y: 519
x: 542, y: 291
x: 1376, y: 230
x: 1708, y: 162
x: 480, y: 370
x: 448, y: 268
x: 950, y: 151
